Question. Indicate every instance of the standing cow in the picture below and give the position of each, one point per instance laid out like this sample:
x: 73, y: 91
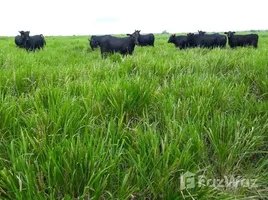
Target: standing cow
x: 146, y: 39
x: 203, y: 41
x: 31, y: 43
x: 179, y: 41
x: 123, y: 46
x: 19, y: 40
x: 204, y: 32
x: 95, y: 40
x: 242, y: 40
x: 221, y: 39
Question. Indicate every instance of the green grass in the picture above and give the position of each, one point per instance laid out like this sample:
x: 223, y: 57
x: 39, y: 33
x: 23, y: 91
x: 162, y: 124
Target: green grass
x: 75, y: 126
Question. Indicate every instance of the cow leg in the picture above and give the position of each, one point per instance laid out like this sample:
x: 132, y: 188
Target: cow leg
x: 255, y: 45
x: 28, y: 49
x: 31, y: 48
x: 104, y: 55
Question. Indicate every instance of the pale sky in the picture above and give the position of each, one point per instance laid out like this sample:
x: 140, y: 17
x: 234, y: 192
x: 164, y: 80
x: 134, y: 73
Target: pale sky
x: 87, y: 17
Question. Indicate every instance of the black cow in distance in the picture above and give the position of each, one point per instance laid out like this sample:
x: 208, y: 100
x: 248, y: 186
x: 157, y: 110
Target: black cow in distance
x: 19, y: 40
x: 123, y: 46
x: 31, y: 43
x: 221, y: 39
x: 95, y: 40
x: 145, y: 39
x: 242, y: 40
x: 179, y: 41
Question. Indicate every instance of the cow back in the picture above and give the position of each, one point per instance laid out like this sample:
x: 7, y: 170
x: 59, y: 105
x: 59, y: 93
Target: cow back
x: 35, y: 42
x: 114, y: 44
x: 146, y: 40
x: 19, y: 41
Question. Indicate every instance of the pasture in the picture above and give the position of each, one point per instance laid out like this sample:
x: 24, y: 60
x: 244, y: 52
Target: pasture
x: 75, y: 126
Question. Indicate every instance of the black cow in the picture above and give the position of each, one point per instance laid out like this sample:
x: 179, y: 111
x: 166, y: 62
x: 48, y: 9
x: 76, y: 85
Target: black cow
x: 242, y: 40
x: 178, y: 41
x: 123, y: 46
x: 201, y: 32
x: 95, y: 40
x: 19, y: 41
x: 32, y: 42
x: 145, y: 40
x: 221, y: 39
x: 204, y: 32
x: 205, y: 41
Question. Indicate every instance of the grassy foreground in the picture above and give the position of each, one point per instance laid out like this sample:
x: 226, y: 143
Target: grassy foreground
x: 74, y: 126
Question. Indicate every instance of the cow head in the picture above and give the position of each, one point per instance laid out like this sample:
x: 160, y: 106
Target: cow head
x: 22, y: 34
x: 190, y: 38
x: 190, y: 34
x: 201, y: 32
x: 229, y: 34
x: 172, y: 38
x: 135, y: 36
x: 25, y: 35
x: 93, y: 43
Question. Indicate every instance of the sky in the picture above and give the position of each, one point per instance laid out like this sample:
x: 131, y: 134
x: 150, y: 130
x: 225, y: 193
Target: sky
x: 89, y: 17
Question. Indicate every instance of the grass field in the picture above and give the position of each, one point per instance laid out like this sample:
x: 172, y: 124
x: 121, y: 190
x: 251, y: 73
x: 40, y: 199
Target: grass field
x: 75, y: 126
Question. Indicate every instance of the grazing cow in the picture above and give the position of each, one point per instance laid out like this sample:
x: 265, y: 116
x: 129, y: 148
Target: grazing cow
x: 178, y: 41
x: 32, y: 42
x: 242, y: 40
x: 19, y: 41
x: 123, y: 46
x: 145, y: 40
x: 221, y: 39
x: 95, y: 40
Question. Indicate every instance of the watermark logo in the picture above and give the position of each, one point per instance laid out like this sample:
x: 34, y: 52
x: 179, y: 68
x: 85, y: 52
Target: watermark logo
x: 189, y: 180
